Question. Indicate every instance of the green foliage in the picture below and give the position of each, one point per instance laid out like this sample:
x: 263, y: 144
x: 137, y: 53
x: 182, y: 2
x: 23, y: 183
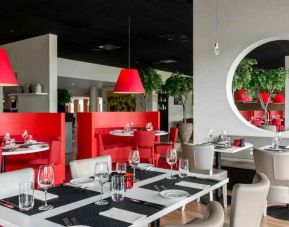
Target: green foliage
x: 151, y: 80
x: 63, y: 97
x: 178, y: 86
x: 243, y: 74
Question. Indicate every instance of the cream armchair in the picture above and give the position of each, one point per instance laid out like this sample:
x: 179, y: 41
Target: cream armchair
x: 214, y: 217
x: 275, y: 165
x: 85, y: 167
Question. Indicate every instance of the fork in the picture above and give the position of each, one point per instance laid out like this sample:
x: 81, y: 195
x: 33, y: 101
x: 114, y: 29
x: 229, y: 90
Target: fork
x: 164, y: 187
x: 75, y: 221
x: 67, y: 222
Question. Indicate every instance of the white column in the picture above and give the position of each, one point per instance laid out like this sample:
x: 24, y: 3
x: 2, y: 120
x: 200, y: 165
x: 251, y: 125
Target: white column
x: 93, y: 94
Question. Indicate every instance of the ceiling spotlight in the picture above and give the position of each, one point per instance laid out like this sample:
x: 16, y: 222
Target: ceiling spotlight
x: 216, y: 48
x: 108, y: 47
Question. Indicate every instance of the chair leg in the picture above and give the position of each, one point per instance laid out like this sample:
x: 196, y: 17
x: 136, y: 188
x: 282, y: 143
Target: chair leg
x: 225, y: 201
x: 183, y: 207
x: 198, y: 200
x: 265, y: 209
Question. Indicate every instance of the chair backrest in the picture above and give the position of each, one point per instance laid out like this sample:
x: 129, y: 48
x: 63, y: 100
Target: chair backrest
x: 247, y: 114
x: 258, y: 114
x: 55, y: 152
x: 248, y: 202
x: 200, y: 156
x: 9, y: 181
x: 273, y: 164
x: 173, y: 136
x: 277, y: 121
x: 85, y: 167
x: 145, y: 139
x: 214, y: 216
x: 256, y: 122
x: 269, y: 127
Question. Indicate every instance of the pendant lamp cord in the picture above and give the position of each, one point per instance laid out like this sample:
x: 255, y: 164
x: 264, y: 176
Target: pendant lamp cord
x: 129, y: 42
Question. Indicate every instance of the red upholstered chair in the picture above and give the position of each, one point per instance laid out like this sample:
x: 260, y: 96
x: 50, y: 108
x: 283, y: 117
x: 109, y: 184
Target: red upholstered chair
x: 277, y: 123
x: 258, y: 114
x: 247, y: 114
x: 145, y: 141
x: 161, y: 148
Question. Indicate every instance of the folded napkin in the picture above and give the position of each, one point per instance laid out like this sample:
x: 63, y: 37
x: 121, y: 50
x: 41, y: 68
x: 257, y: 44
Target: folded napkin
x: 123, y: 215
x: 192, y: 185
x: 40, y: 195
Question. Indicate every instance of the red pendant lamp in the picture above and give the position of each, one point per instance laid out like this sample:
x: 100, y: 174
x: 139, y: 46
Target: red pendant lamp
x: 7, y: 77
x: 129, y: 81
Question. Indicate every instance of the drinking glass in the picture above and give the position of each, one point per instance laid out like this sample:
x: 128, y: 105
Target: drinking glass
x: 227, y: 141
x: 25, y: 135
x: 171, y: 160
x: 275, y: 142
x: 117, y: 188
x: 45, y: 181
x: 183, y: 168
x: 12, y: 144
x: 120, y: 167
x: 26, y: 196
x: 101, y: 175
x: 149, y: 126
x: 134, y: 160
x: 210, y: 134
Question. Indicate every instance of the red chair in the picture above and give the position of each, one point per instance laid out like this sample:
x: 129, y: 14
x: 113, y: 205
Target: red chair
x: 144, y: 142
x: 161, y: 148
x: 258, y: 114
x: 276, y: 114
x: 247, y: 114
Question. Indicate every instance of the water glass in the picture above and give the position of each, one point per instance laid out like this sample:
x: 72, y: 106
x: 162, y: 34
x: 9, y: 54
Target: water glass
x: 101, y: 175
x: 183, y: 168
x: 149, y: 126
x: 120, y: 167
x: 227, y: 141
x: 117, y: 188
x: 275, y: 143
x: 45, y: 181
x: 26, y: 196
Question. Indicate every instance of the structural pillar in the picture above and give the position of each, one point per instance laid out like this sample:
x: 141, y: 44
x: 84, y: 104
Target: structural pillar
x: 93, y: 95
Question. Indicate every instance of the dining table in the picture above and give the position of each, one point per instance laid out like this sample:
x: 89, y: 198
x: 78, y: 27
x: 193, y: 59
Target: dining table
x: 144, y: 199
x: 22, y: 149
x: 131, y: 133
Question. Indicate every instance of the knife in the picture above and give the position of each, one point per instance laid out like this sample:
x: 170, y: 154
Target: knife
x: 147, y: 203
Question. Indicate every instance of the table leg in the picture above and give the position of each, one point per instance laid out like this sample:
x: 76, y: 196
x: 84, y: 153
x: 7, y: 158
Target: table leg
x: 219, y: 166
x: 3, y: 164
x: 156, y: 223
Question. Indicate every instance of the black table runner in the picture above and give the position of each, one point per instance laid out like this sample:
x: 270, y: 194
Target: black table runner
x: 89, y: 214
x: 170, y: 184
x: 66, y: 195
x: 144, y: 174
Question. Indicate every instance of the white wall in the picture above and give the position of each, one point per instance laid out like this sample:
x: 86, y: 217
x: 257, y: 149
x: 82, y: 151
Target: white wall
x: 35, y: 61
x: 242, y: 24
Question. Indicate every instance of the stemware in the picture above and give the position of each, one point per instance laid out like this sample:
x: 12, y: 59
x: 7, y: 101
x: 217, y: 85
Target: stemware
x: 45, y: 181
x: 134, y: 160
x: 121, y: 167
x: 101, y: 175
x: 171, y: 157
x: 25, y: 135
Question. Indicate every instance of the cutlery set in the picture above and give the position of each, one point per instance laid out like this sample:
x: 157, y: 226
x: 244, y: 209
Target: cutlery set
x: 70, y: 221
x: 9, y: 204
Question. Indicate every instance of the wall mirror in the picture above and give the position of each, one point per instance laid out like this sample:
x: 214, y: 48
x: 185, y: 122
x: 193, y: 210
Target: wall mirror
x: 261, y: 85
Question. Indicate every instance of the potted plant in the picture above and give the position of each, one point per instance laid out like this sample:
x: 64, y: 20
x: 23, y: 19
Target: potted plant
x: 266, y: 81
x: 152, y: 83
x: 180, y: 86
x: 63, y: 97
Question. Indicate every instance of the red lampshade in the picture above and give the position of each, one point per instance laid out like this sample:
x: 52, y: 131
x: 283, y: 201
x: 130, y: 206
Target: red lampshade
x: 7, y: 77
x: 279, y: 98
x: 129, y: 82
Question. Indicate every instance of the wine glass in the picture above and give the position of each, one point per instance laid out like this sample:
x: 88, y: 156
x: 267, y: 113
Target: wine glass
x: 25, y: 135
x: 171, y: 160
x: 45, y: 181
x: 210, y: 134
x: 134, y: 160
x: 120, y: 167
x: 101, y: 175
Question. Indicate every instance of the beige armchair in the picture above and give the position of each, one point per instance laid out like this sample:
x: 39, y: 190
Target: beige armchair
x: 201, y: 160
x: 248, y: 201
x: 275, y: 165
x: 214, y: 217
x: 85, y: 167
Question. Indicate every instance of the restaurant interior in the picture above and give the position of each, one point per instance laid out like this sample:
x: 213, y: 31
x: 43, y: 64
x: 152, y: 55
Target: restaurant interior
x: 144, y: 113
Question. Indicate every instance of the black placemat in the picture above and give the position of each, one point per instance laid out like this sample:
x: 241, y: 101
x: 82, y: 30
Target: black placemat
x: 170, y: 184
x: 89, y: 214
x: 145, y: 174
x: 66, y: 195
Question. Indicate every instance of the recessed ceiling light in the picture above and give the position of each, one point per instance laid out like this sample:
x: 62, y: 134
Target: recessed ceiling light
x: 168, y: 61
x: 108, y: 47
x: 174, y: 37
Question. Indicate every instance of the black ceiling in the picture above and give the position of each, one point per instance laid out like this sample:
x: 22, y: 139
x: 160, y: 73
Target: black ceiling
x: 160, y: 29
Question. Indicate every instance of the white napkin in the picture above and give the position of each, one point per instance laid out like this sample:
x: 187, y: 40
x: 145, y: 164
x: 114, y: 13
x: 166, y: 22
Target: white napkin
x: 192, y: 185
x: 123, y: 215
x: 40, y: 195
